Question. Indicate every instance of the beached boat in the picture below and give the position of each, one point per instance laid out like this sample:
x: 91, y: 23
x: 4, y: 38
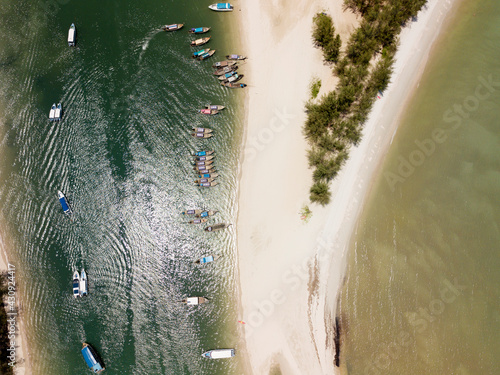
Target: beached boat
x: 199, y: 30
x: 173, y: 27
x: 72, y: 35
x: 83, y: 283
x: 202, y: 135
x: 221, y: 7
x: 198, y: 221
x: 208, y: 259
x: 215, y: 106
x: 219, y: 354
x: 58, y: 112
x: 212, y: 174
x: 92, y: 359
x: 76, y: 284
x: 210, y: 212
x: 207, y: 184
x: 204, y: 180
x: 223, y: 64
x: 202, y: 130
x: 52, y: 112
x: 206, y: 55
x: 203, y: 168
x: 200, y: 42
x: 203, y: 153
x: 64, y: 203
x: 233, y: 85
x: 225, y: 76
x: 203, y: 162
x: 217, y: 227
x: 209, y: 112
x: 204, y: 158
x: 235, y: 57
x: 194, y: 300
x: 225, y: 70
x: 200, y: 52
x: 234, y: 78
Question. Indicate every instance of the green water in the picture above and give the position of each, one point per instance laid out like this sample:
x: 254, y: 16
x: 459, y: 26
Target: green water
x: 421, y: 295
x: 121, y: 155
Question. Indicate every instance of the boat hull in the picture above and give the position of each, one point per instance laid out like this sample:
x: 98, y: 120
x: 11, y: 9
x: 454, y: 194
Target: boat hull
x: 202, y: 135
x: 173, y: 27
x: 72, y: 35
x: 206, y: 213
x: 92, y: 359
x: 219, y: 354
x: 76, y: 284
x: 216, y: 227
x: 200, y: 42
x: 83, y: 283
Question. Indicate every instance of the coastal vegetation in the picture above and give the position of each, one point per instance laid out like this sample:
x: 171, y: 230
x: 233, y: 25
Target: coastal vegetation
x: 315, y: 87
x: 364, y: 67
x: 4, y: 330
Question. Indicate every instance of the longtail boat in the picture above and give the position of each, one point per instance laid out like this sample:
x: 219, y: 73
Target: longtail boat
x: 203, y: 168
x: 225, y: 76
x: 202, y: 135
x: 206, y: 55
x: 227, y: 69
x: 199, y: 30
x: 203, y: 153
x: 234, y: 78
x: 173, y: 27
x: 202, y: 130
x: 233, y: 85
x: 212, y: 174
x: 206, y: 111
x: 194, y: 300
x: 203, y: 162
x: 207, y: 259
x: 192, y: 212
x: 235, y: 57
x: 197, y: 221
x: 200, y: 52
x: 215, y: 106
x: 203, y: 180
x: 203, y: 158
x: 222, y: 64
x: 200, y: 42
x: 206, y: 213
x: 217, y: 227
x: 207, y: 184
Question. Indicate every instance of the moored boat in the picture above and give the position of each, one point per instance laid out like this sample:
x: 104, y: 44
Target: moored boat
x: 215, y: 106
x: 221, y: 7
x: 227, y: 69
x: 206, y: 55
x: 222, y: 64
x: 52, y: 112
x: 202, y: 135
x: 207, y: 213
x: 227, y: 75
x: 203, y: 162
x: 200, y: 52
x: 212, y: 174
x: 207, y: 184
x: 192, y: 212
x: 58, y: 112
x: 203, y: 168
x: 200, y: 42
x: 219, y: 354
x: 235, y: 57
x: 173, y: 27
x: 92, y: 359
x: 234, y: 78
x: 194, y: 300
x: 203, y: 180
x: 76, y: 284
x: 204, y: 158
x: 202, y: 130
x: 207, y: 259
x: 64, y: 203
x: 83, y: 283
x: 233, y: 85
x: 217, y: 227
x: 198, y: 221
x: 203, y: 153
x: 199, y: 30
x: 209, y: 112
x: 72, y: 35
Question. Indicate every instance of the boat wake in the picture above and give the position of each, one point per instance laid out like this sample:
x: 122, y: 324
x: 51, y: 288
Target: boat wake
x: 145, y: 42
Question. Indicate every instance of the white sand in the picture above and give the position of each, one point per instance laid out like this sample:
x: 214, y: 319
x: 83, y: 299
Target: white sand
x: 288, y: 268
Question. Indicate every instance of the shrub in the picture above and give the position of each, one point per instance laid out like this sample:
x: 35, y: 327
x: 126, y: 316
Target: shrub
x: 320, y: 193
x: 315, y: 86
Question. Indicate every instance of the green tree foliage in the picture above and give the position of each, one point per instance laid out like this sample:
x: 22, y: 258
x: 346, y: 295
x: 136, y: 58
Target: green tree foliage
x: 324, y: 37
x: 320, y: 193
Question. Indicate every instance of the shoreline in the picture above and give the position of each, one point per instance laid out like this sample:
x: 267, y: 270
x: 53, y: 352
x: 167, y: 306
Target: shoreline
x: 289, y: 282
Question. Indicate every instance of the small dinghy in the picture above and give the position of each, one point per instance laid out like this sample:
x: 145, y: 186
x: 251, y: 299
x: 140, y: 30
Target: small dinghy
x: 219, y: 354
x: 222, y: 64
x: 83, y: 283
x: 208, y: 259
x: 208, y: 175
x: 92, y: 359
x: 233, y: 85
x: 199, y: 30
x: 203, y: 162
x: 198, y: 221
x: 58, y: 112
x: 202, y: 130
x: 203, y: 168
x: 225, y: 76
x: 202, y: 135
x: 76, y: 284
x: 173, y: 27
x: 64, y: 203
x: 209, y: 112
x: 206, y: 55
x: 221, y: 7
x: 52, y: 113
x: 207, y: 184
x: 72, y: 35
x: 200, y: 42
x: 225, y: 70
x: 215, y: 106
x: 203, y: 180
x: 203, y: 153
x: 204, y: 158
x: 207, y: 213
x: 216, y: 227
x: 194, y: 300
x: 235, y: 57
x: 200, y: 52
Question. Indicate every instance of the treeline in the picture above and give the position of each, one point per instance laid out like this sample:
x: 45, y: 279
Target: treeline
x: 334, y: 123
x: 4, y: 330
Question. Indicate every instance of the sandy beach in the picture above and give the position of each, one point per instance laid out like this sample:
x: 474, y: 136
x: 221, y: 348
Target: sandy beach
x: 290, y: 270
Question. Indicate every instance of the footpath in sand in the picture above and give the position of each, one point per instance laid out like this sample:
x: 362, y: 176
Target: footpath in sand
x: 290, y: 271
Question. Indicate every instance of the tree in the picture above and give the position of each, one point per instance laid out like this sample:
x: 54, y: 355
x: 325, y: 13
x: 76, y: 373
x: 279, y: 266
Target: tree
x: 320, y: 193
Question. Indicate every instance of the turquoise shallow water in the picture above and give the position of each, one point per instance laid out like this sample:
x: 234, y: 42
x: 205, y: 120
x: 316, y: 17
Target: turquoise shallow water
x: 121, y: 155
x: 421, y: 293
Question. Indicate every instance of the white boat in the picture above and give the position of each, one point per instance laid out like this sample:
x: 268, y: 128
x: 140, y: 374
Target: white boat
x: 72, y: 35
x: 219, y: 353
x: 76, y: 284
x: 221, y: 7
x: 207, y: 259
x: 52, y: 112
x: 58, y: 112
x: 83, y: 283
x: 194, y: 300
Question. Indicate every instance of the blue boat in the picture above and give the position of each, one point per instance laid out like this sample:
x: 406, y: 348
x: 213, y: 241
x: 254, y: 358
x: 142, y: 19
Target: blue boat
x: 64, y: 203
x: 201, y: 52
x: 199, y: 30
x: 207, y: 259
x: 93, y: 360
x: 221, y: 7
x: 203, y: 153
